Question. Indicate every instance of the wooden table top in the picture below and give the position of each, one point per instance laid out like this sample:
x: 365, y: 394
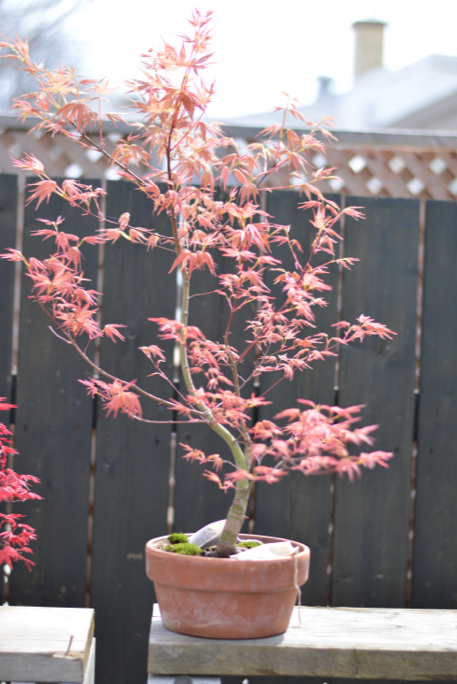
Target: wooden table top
x: 378, y: 643
x: 45, y: 644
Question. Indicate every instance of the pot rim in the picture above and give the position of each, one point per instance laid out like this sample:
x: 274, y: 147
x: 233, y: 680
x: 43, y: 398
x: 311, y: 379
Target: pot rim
x: 303, y: 550
x: 226, y: 575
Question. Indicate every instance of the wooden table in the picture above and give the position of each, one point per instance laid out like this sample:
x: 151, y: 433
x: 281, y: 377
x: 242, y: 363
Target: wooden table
x: 47, y: 645
x: 354, y: 643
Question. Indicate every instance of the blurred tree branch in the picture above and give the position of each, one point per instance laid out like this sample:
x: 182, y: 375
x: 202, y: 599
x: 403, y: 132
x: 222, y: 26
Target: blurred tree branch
x: 44, y: 23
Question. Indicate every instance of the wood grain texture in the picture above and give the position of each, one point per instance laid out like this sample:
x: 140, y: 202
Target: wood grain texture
x: 198, y: 501
x: 45, y: 644
x: 227, y: 679
x: 8, y: 220
x: 354, y: 643
x: 132, y: 458
x: 371, y: 519
x: 299, y: 507
x: 53, y: 434
x: 167, y: 679
x: 434, y: 572
x: 89, y: 675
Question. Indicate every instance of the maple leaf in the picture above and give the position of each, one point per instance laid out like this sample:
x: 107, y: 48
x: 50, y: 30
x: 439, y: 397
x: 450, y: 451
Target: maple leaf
x: 217, y: 461
x: 14, y: 536
x: 214, y: 478
x: 175, y: 158
x: 44, y: 190
x: 12, y: 255
x: 153, y: 351
x: 111, y: 329
x: 29, y: 163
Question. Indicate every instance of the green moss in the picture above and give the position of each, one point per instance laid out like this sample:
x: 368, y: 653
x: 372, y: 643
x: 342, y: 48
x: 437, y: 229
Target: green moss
x: 248, y: 544
x: 178, y: 538
x: 185, y: 548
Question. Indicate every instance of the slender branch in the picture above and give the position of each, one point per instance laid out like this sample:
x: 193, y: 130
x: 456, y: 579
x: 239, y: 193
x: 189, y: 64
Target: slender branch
x: 141, y: 391
x: 142, y: 183
x: 167, y: 422
x: 88, y: 360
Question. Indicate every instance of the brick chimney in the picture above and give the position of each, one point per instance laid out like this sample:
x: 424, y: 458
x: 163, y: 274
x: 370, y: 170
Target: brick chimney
x: 369, y: 38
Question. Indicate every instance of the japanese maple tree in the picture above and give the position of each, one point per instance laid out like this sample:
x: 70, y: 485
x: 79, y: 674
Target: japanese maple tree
x: 185, y: 162
x: 15, y: 536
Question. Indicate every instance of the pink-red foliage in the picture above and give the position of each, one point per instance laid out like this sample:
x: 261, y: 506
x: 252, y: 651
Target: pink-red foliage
x: 15, y: 536
x: 175, y: 147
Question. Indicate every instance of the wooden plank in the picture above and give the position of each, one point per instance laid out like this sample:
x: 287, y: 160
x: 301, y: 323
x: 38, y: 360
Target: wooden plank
x: 198, y: 501
x: 275, y: 679
x: 387, y: 139
x: 132, y: 461
x: 354, y: 643
x: 53, y: 434
x: 370, y: 548
x: 8, y: 213
x: 89, y: 676
x: 165, y: 679
x: 45, y: 644
x: 434, y: 572
x: 299, y: 507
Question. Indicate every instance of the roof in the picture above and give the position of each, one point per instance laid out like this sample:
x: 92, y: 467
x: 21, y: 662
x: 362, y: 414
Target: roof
x: 420, y: 95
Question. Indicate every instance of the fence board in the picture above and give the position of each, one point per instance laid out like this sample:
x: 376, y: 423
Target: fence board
x: 198, y: 501
x: 54, y: 426
x: 132, y: 463
x: 434, y: 579
x: 53, y: 435
x: 299, y: 507
x: 8, y: 221
x: 370, y: 548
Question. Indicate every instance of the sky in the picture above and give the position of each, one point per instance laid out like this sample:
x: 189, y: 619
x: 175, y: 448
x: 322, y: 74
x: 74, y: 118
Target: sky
x: 264, y: 47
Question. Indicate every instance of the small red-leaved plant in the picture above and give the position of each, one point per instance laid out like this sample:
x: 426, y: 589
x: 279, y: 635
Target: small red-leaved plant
x: 178, y: 149
x: 15, y: 536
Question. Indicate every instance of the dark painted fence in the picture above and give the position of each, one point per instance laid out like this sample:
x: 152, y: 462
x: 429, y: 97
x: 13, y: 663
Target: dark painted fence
x: 106, y: 484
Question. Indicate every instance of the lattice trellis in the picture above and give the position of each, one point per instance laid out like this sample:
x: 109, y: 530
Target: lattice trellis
x: 385, y: 164
x: 427, y: 174
x: 60, y: 156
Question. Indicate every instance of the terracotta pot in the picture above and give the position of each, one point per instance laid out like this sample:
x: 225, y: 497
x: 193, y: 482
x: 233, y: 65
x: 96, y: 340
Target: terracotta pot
x: 220, y: 598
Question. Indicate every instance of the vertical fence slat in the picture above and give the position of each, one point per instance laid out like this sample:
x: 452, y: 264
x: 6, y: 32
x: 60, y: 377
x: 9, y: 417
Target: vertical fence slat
x: 54, y: 420
x: 53, y: 434
x: 8, y: 221
x: 132, y: 458
x: 298, y: 507
x: 434, y: 572
x: 370, y: 548
x: 198, y: 501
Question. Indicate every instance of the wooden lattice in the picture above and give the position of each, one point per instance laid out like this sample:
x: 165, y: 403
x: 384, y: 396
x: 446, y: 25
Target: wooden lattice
x: 60, y: 156
x: 386, y: 164
x: 427, y: 174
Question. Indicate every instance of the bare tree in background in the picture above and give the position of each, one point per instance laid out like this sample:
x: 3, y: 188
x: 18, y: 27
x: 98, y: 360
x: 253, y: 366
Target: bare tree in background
x: 44, y: 23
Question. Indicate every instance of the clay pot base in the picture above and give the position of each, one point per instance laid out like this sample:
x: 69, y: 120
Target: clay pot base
x: 219, y: 598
